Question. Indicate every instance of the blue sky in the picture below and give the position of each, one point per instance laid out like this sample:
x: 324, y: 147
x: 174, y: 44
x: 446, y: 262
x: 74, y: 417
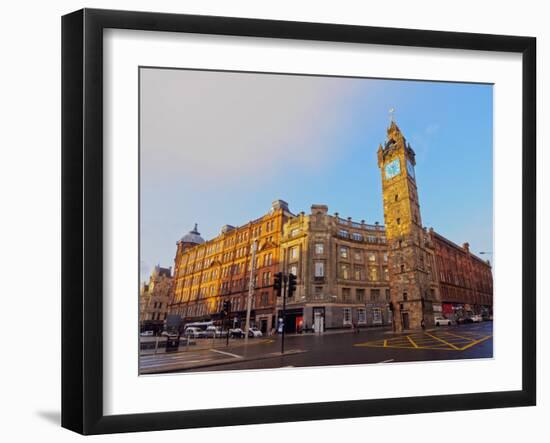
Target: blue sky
x: 217, y: 148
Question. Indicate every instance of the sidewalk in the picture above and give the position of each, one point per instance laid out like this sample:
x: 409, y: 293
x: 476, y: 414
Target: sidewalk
x: 203, y: 344
x: 204, y: 358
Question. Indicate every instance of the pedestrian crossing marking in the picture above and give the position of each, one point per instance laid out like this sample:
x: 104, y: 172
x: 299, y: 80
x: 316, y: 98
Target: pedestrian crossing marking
x: 444, y: 341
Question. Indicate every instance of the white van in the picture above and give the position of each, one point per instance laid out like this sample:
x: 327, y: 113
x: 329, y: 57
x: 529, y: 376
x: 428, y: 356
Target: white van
x: 194, y: 332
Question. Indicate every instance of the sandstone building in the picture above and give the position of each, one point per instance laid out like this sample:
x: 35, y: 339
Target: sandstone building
x: 209, y: 272
x: 341, y: 268
x: 155, y: 298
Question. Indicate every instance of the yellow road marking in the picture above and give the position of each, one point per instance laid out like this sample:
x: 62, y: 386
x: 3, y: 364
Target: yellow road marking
x: 442, y: 348
x: 459, y: 336
x: 475, y: 342
x: 427, y: 341
x: 443, y: 341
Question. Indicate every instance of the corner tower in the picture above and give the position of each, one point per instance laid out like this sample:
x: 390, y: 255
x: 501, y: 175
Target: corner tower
x: 407, y: 253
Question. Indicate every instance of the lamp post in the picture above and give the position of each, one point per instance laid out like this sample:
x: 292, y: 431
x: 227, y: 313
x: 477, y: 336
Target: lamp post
x: 250, y: 292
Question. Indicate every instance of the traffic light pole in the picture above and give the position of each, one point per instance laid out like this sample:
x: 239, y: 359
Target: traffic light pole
x: 227, y: 329
x: 284, y: 314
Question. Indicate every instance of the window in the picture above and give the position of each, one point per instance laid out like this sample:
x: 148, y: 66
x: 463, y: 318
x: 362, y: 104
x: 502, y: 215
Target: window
x: 386, y: 274
x: 375, y: 294
x: 405, y: 296
x: 377, y: 316
x: 264, y: 299
x: 402, y: 267
x: 357, y: 237
x: 373, y: 274
x: 347, y: 316
x: 346, y: 295
x: 385, y: 257
x: 318, y: 291
x: 294, y: 252
x: 372, y: 257
x: 294, y: 232
x: 319, y: 269
x: 344, y: 271
x: 319, y: 248
x: 344, y: 252
x: 361, y: 316
x: 293, y: 269
x: 357, y: 256
x: 343, y: 233
x: 360, y: 295
x: 398, y: 221
x: 358, y: 273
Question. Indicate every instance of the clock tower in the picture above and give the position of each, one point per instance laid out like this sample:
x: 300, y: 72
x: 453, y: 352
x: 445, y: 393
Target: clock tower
x: 408, y: 254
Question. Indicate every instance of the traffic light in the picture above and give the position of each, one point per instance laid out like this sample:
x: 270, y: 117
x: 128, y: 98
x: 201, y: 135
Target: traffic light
x: 278, y: 283
x: 291, y: 284
x: 226, y: 308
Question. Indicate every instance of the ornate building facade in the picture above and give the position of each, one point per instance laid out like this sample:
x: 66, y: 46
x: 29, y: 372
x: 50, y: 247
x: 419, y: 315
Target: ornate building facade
x: 409, y: 250
x: 342, y: 272
x: 155, y: 298
x: 210, y: 272
x: 465, y: 281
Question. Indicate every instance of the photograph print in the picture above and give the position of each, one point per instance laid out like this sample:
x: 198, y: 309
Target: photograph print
x: 303, y: 221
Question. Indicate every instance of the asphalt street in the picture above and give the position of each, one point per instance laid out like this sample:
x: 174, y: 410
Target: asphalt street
x: 379, y: 345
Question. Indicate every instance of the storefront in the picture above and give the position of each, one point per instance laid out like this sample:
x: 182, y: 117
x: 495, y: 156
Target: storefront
x: 294, y: 320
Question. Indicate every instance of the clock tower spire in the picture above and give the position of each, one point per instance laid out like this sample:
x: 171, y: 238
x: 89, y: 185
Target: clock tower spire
x: 408, y: 254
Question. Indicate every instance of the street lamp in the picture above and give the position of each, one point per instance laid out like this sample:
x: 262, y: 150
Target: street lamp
x: 250, y: 292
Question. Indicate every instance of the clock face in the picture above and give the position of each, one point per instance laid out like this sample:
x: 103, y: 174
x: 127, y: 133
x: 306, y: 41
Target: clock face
x: 410, y: 168
x: 392, y: 169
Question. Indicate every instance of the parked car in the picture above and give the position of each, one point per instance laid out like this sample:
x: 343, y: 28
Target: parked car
x: 169, y: 334
x: 440, y: 321
x: 254, y: 332
x: 236, y: 333
x: 215, y: 332
x: 147, y: 334
x: 476, y: 318
x: 194, y: 332
x: 487, y: 317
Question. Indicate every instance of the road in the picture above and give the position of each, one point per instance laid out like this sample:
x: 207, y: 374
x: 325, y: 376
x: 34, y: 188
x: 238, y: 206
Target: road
x: 368, y: 346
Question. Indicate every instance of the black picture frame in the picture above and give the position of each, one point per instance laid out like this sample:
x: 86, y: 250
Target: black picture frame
x: 82, y: 218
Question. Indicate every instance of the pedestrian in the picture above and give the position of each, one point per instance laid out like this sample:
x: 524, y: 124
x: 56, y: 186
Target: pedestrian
x: 423, y: 325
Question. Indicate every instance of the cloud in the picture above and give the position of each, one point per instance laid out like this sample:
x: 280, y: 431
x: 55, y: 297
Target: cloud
x: 211, y: 126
